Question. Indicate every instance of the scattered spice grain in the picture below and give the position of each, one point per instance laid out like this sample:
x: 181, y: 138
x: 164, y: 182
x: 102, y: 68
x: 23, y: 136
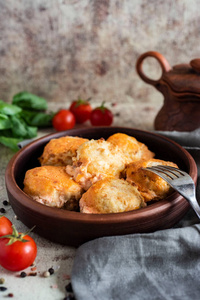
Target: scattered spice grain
x: 51, y: 271
x: 3, y: 288
x: 54, y: 286
x: 66, y: 277
x: 46, y: 274
x: 69, y: 297
x: 2, y: 210
x: 69, y: 288
x: 32, y: 274
x: 23, y: 274
x: 10, y: 295
x: 5, y: 202
x: 2, y: 280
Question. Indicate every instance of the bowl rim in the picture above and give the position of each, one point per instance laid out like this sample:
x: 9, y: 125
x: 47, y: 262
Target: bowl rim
x: 72, y: 216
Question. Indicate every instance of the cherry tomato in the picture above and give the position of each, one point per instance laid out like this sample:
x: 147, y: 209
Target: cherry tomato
x: 5, y: 226
x: 63, y: 120
x: 18, y: 251
x: 81, y: 110
x: 101, y: 116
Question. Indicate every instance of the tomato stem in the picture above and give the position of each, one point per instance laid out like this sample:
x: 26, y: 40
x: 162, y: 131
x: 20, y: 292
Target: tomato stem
x: 102, y: 107
x: 16, y: 236
x: 82, y: 102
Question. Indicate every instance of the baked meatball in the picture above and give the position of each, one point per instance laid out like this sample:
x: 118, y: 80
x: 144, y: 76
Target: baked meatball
x: 52, y: 186
x: 111, y: 195
x: 59, y: 152
x: 133, y: 149
x: 150, y: 185
x: 95, y: 160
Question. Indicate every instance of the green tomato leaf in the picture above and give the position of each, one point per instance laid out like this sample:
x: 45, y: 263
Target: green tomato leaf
x: 12, y: 143
x: 4, y: 122
x: 27, y: 100
x: 9, y: 109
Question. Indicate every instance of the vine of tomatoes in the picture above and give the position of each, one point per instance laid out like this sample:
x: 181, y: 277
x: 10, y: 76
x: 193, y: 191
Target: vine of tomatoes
x: 81, y: 111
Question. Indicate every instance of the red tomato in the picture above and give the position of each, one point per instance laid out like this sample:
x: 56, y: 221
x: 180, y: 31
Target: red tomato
x: 81, y: 110
x: 101, y: 116
x: 63, y: 120
x: 19, y: 254
x: 5, y: 226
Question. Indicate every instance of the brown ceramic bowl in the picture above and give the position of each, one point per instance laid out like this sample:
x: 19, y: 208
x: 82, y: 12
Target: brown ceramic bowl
x: 74, y: 228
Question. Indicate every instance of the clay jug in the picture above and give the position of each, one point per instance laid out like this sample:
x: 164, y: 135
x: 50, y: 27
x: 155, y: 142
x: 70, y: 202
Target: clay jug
x: 180, y: 86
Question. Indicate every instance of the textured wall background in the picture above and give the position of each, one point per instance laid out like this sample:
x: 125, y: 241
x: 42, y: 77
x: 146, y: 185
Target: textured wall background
x: 63, y: 49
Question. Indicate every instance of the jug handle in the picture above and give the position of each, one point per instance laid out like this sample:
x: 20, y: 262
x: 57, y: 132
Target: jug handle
x: 162, y: 61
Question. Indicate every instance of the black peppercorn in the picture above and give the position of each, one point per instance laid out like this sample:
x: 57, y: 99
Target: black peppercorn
x: 69, y: 288
x: 69, y: 297
x: 5, y: 202
x: 2, y: 210
x: 3, y: 288
x: 51, y: 271
x: 23, y: 274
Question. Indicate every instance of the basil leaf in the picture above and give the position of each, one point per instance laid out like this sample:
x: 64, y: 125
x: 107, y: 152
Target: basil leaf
x: 38, y: 119
x: 21, y: 129
x: 29, y: 101
x: 4, y: 122
x: 42, y: 119
x: 6, y: 132
x: 31, y: 132
x: 12, y: 143
x: 9, y: 109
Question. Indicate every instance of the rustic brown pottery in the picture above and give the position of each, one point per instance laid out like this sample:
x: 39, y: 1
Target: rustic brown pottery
x: 180, y: 86
x: 74, y: 228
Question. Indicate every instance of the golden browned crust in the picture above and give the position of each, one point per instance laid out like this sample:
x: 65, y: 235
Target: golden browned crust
x: 131, y: 147
x: 59, y: 152
x: 111, y: 195
x: 95, y: 160
x: 52, y: 186
x: 150, y: 185
x: 91, y: 171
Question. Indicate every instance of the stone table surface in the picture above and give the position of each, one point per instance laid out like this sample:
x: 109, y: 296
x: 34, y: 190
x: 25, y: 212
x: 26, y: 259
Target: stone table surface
x: 49, y: 254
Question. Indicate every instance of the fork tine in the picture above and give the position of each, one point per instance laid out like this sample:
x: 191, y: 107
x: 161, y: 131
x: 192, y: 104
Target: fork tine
x: 173, y: 170
x: 169, y: 172
x: 180, y: 181
x: 160, y: 173
x: 160, y: 170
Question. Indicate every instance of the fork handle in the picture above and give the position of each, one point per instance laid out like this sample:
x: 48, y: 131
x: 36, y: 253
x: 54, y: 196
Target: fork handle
x: 193, y: 202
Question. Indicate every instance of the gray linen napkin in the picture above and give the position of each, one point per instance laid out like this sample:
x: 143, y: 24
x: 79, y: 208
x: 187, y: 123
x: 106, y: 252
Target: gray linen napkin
x: 160, y: 265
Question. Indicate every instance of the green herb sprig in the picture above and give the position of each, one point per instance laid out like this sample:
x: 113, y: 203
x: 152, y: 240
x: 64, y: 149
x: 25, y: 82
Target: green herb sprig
x: 21, y: 119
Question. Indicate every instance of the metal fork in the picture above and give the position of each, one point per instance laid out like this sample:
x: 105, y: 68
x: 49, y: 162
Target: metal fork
x: 179, y: 181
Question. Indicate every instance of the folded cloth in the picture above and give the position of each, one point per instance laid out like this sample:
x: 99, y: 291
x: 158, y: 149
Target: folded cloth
x: 24, y: 143
x: 160, y: 265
